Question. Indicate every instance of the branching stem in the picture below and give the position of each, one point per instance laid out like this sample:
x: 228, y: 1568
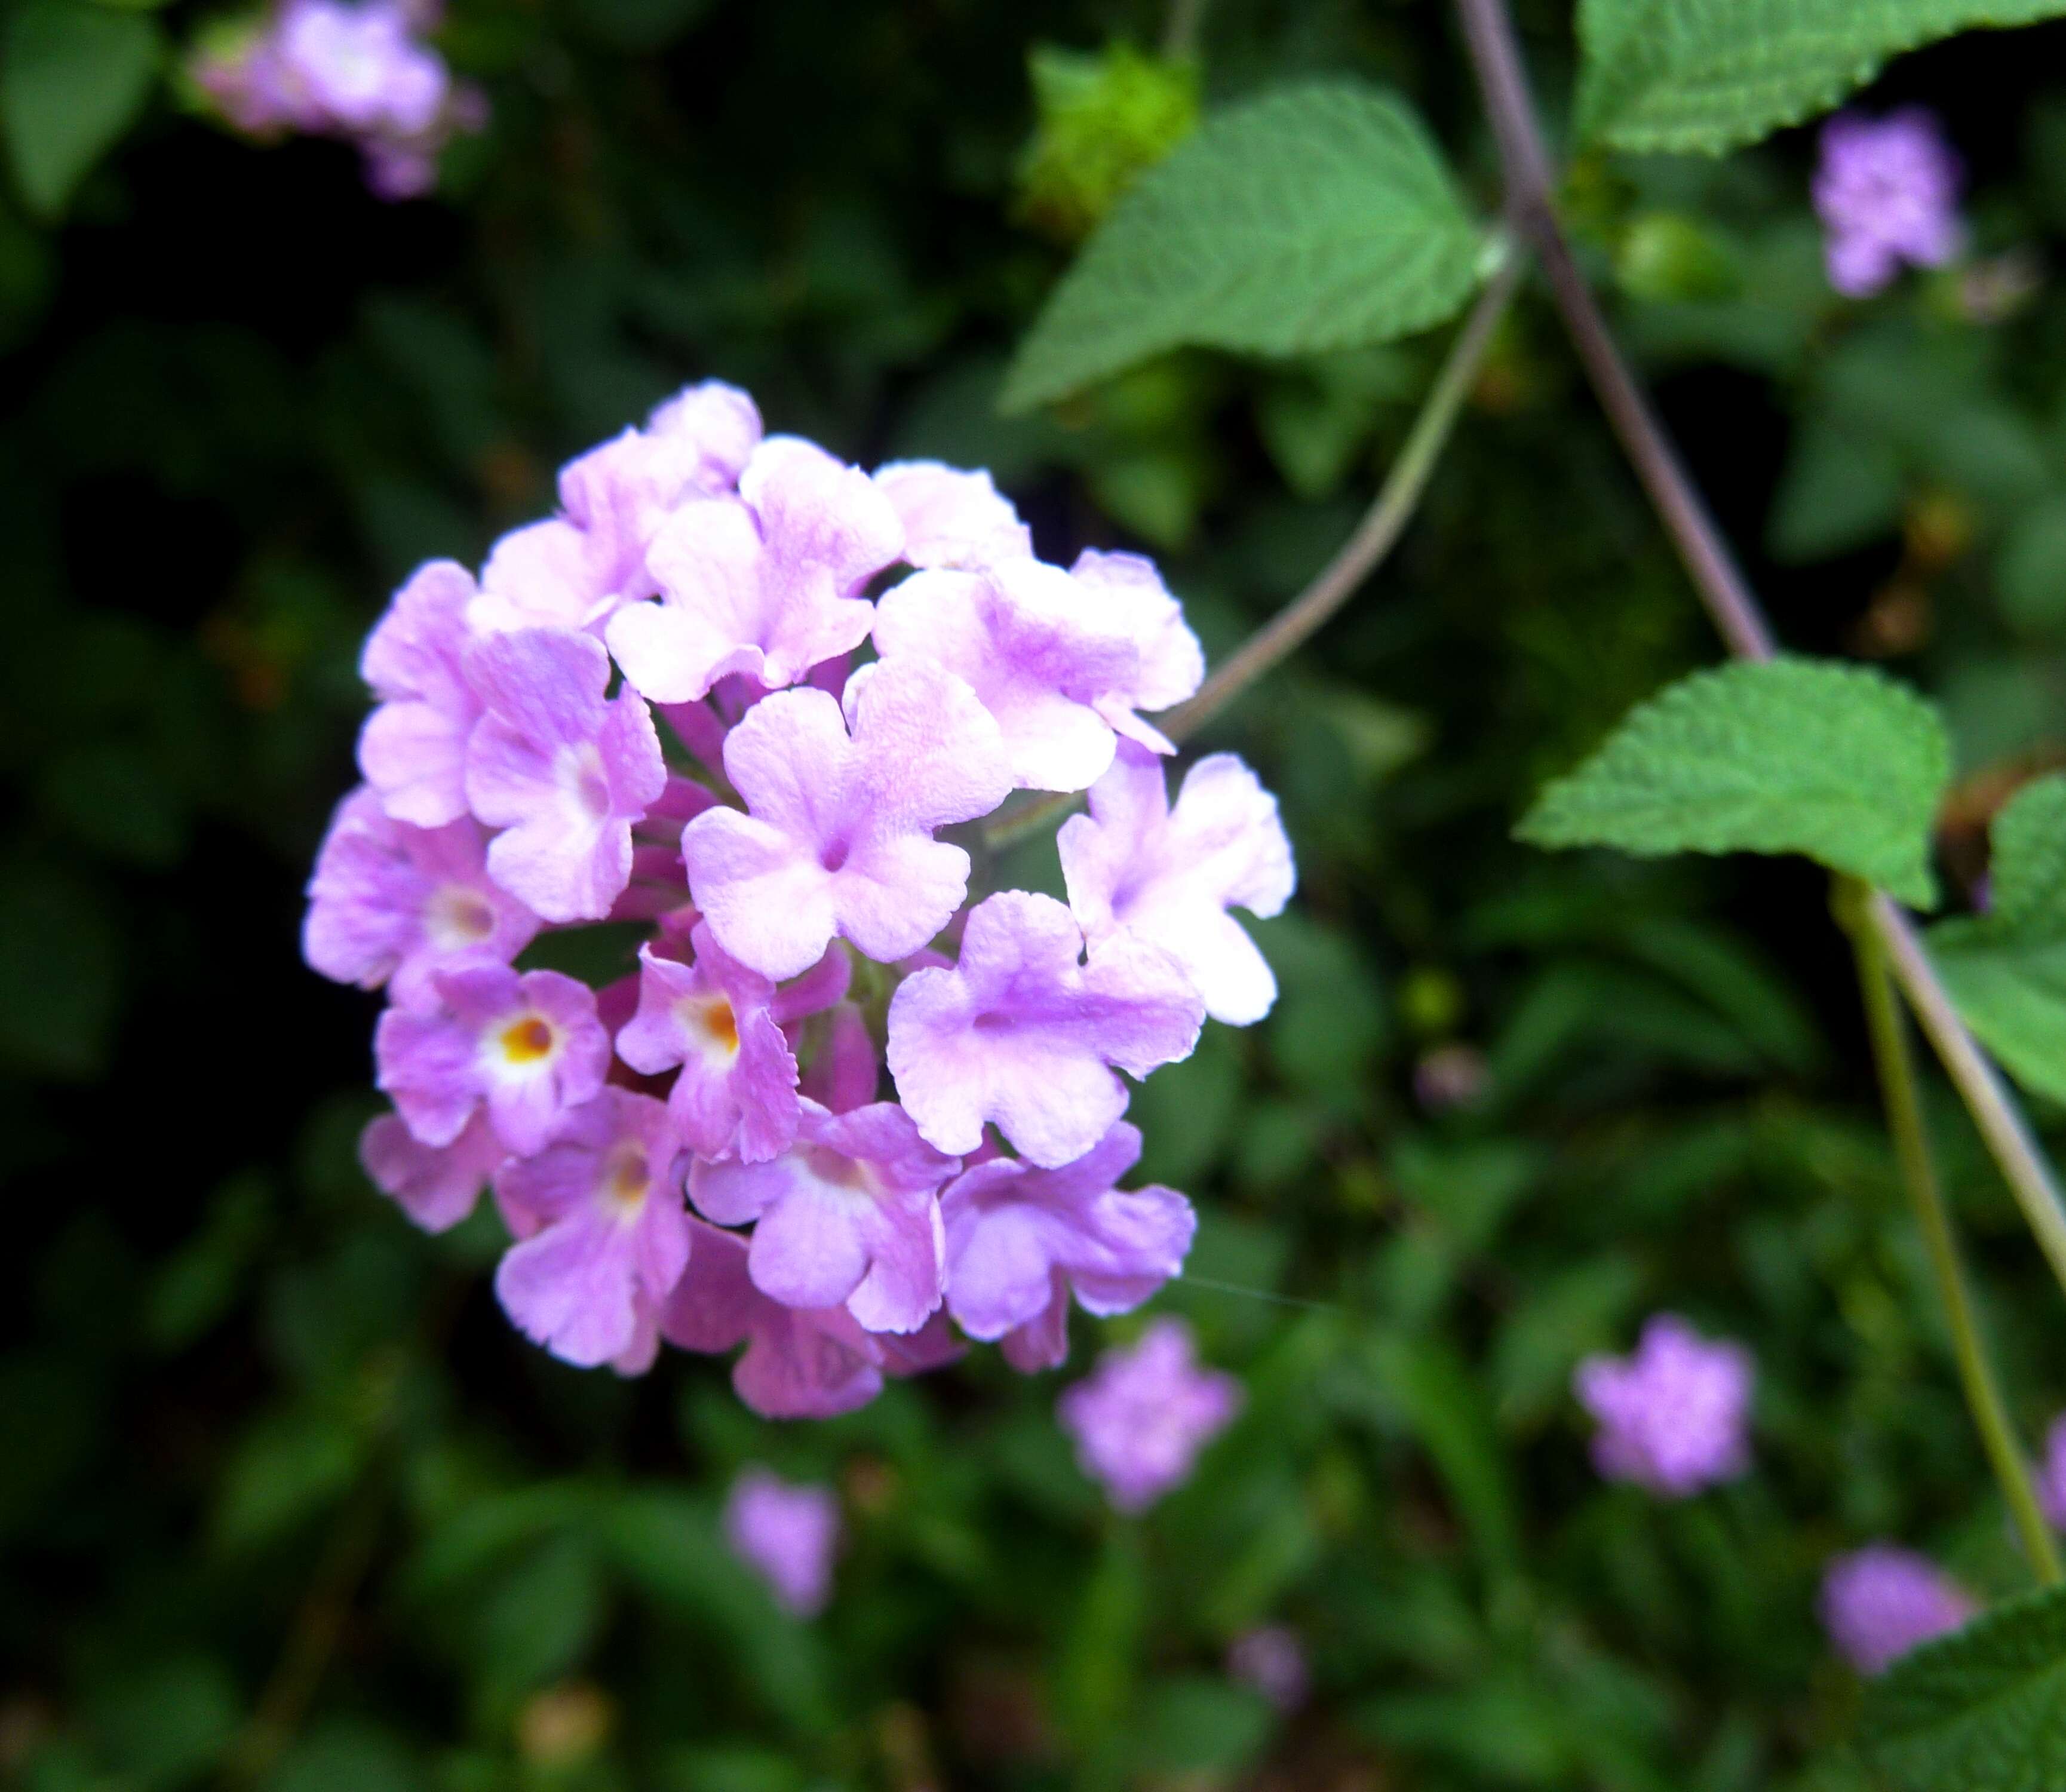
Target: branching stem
x: 1727, y: 595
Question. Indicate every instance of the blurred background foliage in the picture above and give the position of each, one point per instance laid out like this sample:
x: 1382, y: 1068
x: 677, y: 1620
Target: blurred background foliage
x: 284, y: 1502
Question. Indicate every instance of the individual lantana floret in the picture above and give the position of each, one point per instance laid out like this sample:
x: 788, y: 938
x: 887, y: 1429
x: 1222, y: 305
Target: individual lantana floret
x: 358, y: 71
x: 1169, y: 876
x: 1675, y: 1417
x: 1887, y: 193
x: 1141, y: 1418
x: 1021, y: 1241
x: 769, y: 823
x: 1880, y: 1602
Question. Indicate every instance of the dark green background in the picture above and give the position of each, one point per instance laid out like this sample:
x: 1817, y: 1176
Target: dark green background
x: 285, y: 1502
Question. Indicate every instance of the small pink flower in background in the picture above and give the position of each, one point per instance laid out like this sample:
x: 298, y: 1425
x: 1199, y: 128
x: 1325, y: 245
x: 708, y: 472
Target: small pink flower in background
x: 1880, y: 1602
x: 1272, y: 1660
x: 436, y: 1185
x: 788, y: 1534
x: 1674, y: 1417
x: 2052, y: 1474
x: 1887, y: 193
x: 1141, y: 1417
x: 357, y: 72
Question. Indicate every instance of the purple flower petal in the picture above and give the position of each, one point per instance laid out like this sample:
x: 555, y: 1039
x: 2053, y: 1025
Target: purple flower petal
x: 412, y: 749
x: 1133, y: 865
x: 1020, y: 1033
x: 1019, y: 1240
x: 1887, y: 192
x: 566, y: 772
x: 767, y: 584
x: 952, y: 517
x: 436, y: 1185
x: 1880, y: 1602
x: 528, y: 1047
x: 850, y: 1215
x: 606, y: 1238
x: 392, y: 903
x: 839, y: 841
x: 736, y: 1091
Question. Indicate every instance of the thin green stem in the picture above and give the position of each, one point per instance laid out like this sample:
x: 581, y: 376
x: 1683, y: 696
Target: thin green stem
x: 1728, y: 596
x: 1357, y: 559
x: 1888, y: 1029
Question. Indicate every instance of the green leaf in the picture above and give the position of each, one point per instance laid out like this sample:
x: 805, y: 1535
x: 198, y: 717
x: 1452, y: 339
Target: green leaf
x: 1315, y: 218
x: 74, y: 78
x: 1981, y: 1710
x: 1791, y: 756
x: 2007, y: 970
x: 1710, y: 74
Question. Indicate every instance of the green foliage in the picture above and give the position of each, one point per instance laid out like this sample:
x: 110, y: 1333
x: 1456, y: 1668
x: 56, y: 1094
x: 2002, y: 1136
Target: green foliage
x: 73, y: 77
x: 1713, y: 74
x: 2006, y: 969
x: 1315, y: 218
x: 1100, y: 119
x: 1791, y: 756
x: 1984, y: 1710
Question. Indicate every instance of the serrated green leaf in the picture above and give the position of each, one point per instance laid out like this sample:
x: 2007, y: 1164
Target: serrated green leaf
x: 75, y: 77
x: 1791, y: 756
x: 1315, y: 218
x: 2007, y: 970
x: 1711, y: 74
x: 1981, y: 1710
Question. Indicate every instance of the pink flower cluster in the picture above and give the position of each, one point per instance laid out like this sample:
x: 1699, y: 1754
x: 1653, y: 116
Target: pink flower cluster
x: 359, y: 71
x: 648, y: 709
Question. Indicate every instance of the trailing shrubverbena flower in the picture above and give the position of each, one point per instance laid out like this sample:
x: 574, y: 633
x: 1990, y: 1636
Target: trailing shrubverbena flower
x: 1887, y: 193
x: 1673, y: 1417
x: 1880, y: 1602
x: 647, y: 710
x: 358, y: 69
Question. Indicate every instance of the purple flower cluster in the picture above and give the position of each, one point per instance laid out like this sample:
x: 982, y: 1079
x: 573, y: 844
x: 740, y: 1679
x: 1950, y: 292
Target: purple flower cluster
x: 647, y: 709
x: 1673, y: 1417
x: 787, y: 1535
x: 1141, y: 1419
x: 1887, y: 193
x: 357, y: 69
x: 1880, y: 1602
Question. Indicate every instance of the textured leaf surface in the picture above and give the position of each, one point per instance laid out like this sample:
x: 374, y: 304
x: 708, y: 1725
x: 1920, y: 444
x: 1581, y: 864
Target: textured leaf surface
x: 1982, y: 1710
x: 73, y: 78
x: 2007, y: 970
x: 1315, y: 218
x: 1710, y: 75
x: 1794, y: 755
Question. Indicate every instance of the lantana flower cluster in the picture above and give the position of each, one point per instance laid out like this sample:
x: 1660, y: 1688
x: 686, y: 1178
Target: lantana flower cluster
x: 356, y: 70
x: 656, y: 707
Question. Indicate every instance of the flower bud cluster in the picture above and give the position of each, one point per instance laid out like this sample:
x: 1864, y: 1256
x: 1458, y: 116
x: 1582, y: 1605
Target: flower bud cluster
x: 651, y: 709
x: 357, y: 69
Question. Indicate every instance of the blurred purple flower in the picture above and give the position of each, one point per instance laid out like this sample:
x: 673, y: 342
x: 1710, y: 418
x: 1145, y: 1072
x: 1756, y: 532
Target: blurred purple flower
x: 1141, y: 1417
x: 1673, y: 1417
x: 1272, y: 1660
x: 1887, y: 192
x: 1879, y: 1602
x: 787, y: 1535
x: 2052, y: 1474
